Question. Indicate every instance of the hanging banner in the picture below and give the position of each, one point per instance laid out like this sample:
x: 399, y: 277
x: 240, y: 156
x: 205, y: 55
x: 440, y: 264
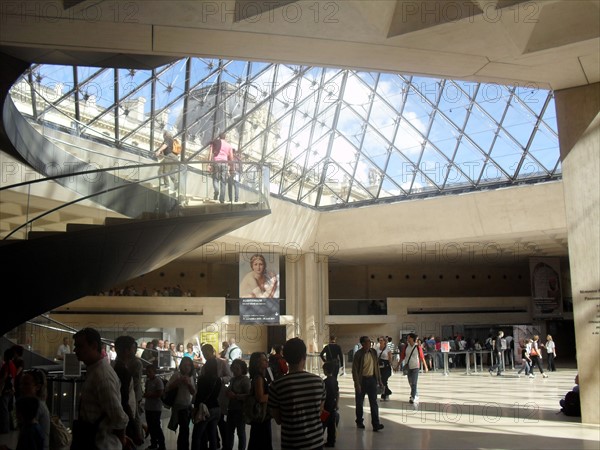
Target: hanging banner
x: 546, y: 289
x: 259, y: 311
x: 259, y: 288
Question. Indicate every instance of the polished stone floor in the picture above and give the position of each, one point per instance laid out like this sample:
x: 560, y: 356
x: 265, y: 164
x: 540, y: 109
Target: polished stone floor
x: 461, y: 411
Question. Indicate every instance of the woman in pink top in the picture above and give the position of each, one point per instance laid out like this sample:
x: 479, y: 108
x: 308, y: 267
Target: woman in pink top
x: 222, y: 155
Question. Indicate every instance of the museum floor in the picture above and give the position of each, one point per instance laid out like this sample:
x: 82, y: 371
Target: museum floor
x: 459, y: 411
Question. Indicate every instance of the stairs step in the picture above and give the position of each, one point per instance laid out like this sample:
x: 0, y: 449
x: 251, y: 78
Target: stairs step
x: 81, y: 226
x: 41, y: 234
x: 116, y: 220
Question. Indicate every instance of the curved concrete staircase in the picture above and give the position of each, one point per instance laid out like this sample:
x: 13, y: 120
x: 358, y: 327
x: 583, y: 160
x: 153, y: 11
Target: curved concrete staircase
x: 144, y: 228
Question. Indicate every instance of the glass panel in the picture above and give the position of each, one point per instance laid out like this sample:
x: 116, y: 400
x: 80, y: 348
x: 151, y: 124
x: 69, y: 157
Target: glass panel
x: 433, y: 166
x: 358, y: 95
x: 391, y: 87
x: 203, y: 72
x: 401, y: 171
x: 352, y: 125
x: 506, y: 154
x: 369, y: 176
x: 283, y: 115
x: 519, y: 123
x: 375, y: 147
x: 545, y: 149
x: 417, y: 111
x: 443, y: 135
x: 492, y: 98
x: 533, y: 98
x: 531, y: 168
x: 383, y: 118
x: 480, y: 130
x: 55, y: 87
x: 409, y: 141
x: 469, y: 161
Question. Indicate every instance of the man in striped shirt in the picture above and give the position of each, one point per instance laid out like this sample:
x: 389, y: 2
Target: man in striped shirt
x: 296, y: 401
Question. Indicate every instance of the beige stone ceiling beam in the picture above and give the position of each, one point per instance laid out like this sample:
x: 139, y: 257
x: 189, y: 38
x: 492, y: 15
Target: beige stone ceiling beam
x: 551, y: 44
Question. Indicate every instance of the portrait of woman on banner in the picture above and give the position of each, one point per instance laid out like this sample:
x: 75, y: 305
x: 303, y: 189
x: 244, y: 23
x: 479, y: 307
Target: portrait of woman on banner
x: 259, y: 282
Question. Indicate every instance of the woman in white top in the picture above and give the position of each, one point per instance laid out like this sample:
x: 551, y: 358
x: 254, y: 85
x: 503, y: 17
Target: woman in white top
x: 384, y: 358
x: 551, y: 353
x: 174, y: 358
x: 183, y: 381
x: 412, y: 357
x: 179, y: 353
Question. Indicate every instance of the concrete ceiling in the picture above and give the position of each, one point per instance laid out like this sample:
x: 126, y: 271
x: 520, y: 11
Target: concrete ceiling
x: 497, y: 227
x: 549, y: 44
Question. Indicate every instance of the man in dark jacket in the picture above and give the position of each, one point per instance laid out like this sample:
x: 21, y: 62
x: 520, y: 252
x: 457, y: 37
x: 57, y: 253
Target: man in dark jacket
x: 333, y: 352
x: 366, y: 376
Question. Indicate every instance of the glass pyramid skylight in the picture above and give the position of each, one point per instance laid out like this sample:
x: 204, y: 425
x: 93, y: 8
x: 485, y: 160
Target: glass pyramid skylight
x: 333, y: 138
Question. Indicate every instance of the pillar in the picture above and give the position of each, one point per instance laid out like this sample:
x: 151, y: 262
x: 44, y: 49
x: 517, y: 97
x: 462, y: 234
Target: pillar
x: 578, y: 114
x: 307, y: 299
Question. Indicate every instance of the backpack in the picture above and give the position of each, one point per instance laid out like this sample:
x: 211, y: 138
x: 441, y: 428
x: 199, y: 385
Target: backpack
x: 488, y: 344
x: 60, y: 436
x: 176, y: 147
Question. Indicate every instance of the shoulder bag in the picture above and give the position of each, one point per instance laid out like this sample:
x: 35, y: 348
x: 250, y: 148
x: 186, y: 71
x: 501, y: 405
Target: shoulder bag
x: 253, y: 411
x: 201, y: 412
x: 168, y: 396
x: 405, y: 369
x: 59, y: 436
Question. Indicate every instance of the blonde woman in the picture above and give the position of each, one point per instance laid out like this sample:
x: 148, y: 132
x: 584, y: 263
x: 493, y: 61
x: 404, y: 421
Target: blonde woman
x: 551, y: 353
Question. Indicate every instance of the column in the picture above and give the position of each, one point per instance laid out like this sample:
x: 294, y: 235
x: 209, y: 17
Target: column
x: 578, y: 113
x: 307, y: 298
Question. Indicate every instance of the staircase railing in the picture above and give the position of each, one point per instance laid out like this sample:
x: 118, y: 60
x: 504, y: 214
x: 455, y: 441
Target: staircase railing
x: 132, y: 191
x: 108, y: 181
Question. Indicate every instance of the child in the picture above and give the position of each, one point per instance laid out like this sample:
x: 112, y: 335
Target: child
x: 526, y: 362
x: 332, y: 397
x: 153, y: 406
x: 239, y: 388
x: 31, y: 436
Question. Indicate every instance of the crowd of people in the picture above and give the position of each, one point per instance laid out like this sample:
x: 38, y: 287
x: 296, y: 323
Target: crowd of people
x: 211, y: 390
x: 132, y: 291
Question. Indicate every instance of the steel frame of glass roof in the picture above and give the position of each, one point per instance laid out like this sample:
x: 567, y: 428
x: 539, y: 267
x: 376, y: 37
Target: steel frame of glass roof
x: 333, y: 138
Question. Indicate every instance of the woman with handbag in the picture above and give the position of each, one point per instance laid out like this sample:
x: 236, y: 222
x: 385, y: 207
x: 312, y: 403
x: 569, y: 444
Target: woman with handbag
x: 206, y: 412
x: 536, y: 355
x: 384, y: 359
x: 182, y: 380
x: 260, y: 431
